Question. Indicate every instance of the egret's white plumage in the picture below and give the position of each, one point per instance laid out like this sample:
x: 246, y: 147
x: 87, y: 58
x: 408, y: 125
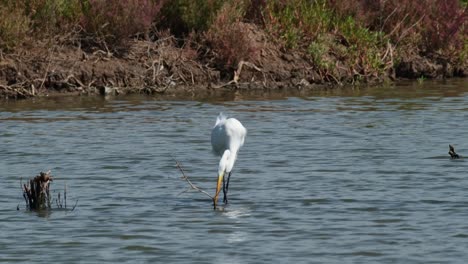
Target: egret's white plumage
x: 227, y: 137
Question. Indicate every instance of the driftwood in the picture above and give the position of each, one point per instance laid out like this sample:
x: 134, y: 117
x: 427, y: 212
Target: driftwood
x: 191, y: 185
x: 36, y: 193
x: 237, y: 73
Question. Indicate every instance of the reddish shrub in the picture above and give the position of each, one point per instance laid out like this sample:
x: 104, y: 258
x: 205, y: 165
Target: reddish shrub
x: 254, y: 11
x: 229, y: 37
x: 434, y: 24
x: 113, y: 21
x: 446, y: 25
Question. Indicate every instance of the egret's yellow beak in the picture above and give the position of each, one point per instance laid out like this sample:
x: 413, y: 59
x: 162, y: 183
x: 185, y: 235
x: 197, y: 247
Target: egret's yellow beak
x: 218, y: 189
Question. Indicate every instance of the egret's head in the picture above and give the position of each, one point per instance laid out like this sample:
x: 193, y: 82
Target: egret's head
x: 221, y: 171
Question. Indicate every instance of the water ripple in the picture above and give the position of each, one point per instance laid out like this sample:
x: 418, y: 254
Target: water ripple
x: 330, y: 177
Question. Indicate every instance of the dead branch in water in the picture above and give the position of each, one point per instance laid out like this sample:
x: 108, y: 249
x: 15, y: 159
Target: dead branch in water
x: 192, y: 186
x: 36, y: 193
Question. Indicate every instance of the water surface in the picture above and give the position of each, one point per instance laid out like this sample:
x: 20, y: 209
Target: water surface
x: 346, y: 175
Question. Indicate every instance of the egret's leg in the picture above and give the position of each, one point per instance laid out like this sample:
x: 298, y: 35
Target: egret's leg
x: 227, y: 189
x: 224, y: 189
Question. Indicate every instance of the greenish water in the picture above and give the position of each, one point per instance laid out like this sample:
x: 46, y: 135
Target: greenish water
x: 334, y: 176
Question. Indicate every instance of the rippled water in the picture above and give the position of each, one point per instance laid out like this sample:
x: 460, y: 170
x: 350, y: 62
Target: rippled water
x: 334, y: 176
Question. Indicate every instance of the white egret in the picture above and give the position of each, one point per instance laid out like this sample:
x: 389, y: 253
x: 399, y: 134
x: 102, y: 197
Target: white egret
x: 227, y: 137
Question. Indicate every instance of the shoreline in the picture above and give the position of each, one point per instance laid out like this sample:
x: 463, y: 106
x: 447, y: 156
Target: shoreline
x: 186, y: 47
x: 162, y: 67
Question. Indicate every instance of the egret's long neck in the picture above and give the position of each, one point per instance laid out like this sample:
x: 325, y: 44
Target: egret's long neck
x: 223, y: 162
x: 231, y: 159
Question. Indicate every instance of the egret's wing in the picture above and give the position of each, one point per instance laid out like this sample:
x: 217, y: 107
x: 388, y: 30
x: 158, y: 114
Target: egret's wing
x: 219, y: 138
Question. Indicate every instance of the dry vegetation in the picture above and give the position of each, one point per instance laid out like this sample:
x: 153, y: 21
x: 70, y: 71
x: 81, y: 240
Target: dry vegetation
x: 37, y: 194
x: 161, y: 46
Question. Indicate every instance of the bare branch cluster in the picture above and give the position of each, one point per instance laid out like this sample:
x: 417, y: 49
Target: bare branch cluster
x: 36, y: 192
x: 37, y: 195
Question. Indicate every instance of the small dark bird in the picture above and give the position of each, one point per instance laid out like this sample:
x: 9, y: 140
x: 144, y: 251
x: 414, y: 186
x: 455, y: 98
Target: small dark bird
x: 452, y: 153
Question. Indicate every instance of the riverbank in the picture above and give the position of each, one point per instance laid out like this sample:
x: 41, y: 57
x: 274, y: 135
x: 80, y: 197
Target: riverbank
x: 239, y: 51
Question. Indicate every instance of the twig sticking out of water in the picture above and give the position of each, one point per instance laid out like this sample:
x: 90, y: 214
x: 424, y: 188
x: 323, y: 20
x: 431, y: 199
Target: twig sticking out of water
x: 62, y: 202
x: 186, y: 178
x: 76, y: 203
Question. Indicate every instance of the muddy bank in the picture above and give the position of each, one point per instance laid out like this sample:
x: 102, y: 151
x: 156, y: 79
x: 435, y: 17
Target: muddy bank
x: 163, y: 67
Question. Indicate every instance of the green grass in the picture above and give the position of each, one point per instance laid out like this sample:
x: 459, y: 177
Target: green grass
x: 364, y: 46
x: 421, y: 79
x: 315, y: 27
x: 14, y: 27
x: 297, y: 22
x: 463, y: 57
x: 317, y: 49
x: 50, y: 16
